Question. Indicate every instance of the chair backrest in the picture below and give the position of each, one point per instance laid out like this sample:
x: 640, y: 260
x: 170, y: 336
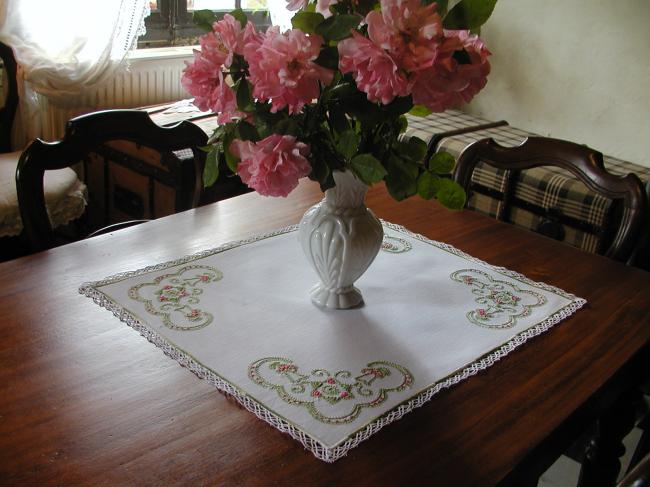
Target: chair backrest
x: 10, y: 89
x: 91, y: 138
x: 584, y: 163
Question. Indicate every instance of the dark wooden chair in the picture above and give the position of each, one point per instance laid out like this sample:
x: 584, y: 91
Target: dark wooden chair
x: 584, y: 163
x: 133, y: 169
x: 10, y: 101
x: 639, y: 476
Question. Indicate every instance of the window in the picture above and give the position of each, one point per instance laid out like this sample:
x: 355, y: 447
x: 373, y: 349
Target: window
x: 170, y: 22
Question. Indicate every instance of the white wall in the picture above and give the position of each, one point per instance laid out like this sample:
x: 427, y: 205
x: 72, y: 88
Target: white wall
x: 572, y: 69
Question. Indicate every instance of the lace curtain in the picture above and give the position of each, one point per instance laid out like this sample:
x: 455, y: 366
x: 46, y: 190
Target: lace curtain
x: 66, y: 47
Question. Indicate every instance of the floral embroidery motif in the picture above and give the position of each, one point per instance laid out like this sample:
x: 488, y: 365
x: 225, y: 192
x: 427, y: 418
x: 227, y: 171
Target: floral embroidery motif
x: 336, y: 398
x: 174, y: 297
x: 502, y: 302
x: 395, y: 245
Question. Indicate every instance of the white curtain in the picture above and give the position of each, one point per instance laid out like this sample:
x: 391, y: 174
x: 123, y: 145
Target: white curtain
x: 279, y: 14
x: 66, y: 47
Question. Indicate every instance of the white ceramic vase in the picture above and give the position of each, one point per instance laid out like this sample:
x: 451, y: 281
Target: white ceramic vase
x: 341, y: 238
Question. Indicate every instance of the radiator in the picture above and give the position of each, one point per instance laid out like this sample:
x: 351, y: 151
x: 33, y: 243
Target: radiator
x: 153, y: 76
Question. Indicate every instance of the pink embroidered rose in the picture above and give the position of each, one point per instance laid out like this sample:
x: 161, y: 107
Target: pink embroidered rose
x: 373, y: 69
x: 449, y: 83
x: 282, y: 68
x: 272, y: 166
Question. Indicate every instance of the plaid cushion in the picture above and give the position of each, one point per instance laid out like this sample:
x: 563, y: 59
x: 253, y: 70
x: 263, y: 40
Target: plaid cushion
x: 544, y: 196
x: 440, y: 123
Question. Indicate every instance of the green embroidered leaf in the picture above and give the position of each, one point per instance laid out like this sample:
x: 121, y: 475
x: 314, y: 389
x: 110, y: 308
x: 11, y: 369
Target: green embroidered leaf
x: 338, y: 27
x: 348, y: 144
x: 442, y: 163
x: 450, y: 194
x: 420, y: 111
x: 469, y: 14
x: 428, y: 185
x: 307, y: 21
x: 211, y: 168
x: 368, y: 168
x: 204, y: 19
x: 241, y: 16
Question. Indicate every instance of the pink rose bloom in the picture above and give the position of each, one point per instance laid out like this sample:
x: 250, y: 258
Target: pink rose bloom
x: 224, y: 102
x: 296, y: 4
x: 228, y: 35
x: 201, y: 77
x: 408, y: 31
x: 272, y: 166
x: 282, y: 68
x: 323, y: 7
x: 448, y: 83
x: 374, y: 70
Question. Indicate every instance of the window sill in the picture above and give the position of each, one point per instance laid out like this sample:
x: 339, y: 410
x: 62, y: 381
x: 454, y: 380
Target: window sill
x: 154, y: 53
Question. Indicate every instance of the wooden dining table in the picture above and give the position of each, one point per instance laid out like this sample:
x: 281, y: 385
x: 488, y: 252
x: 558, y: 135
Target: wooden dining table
x: 86, y: 400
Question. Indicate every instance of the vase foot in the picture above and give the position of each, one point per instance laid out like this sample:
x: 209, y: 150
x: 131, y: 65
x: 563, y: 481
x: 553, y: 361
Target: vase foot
x: 336, y: 298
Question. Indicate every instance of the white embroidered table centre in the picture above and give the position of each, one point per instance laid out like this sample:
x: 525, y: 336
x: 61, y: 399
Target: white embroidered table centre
x: 240, y: 317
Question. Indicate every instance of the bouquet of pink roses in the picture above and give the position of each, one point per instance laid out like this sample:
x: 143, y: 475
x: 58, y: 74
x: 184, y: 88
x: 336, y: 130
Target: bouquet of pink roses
x: 332, y: 93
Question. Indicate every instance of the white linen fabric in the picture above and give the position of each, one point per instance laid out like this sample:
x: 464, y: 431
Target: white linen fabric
x: 240, y: 317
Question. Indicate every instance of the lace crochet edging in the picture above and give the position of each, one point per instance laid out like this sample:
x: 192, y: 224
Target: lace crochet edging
x: 321, y: 451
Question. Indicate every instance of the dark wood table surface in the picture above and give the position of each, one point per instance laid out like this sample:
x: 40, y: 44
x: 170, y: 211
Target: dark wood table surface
x: 84, y: 399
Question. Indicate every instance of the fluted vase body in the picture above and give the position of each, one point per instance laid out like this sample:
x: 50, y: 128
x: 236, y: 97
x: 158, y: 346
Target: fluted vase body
x: 341, y: 238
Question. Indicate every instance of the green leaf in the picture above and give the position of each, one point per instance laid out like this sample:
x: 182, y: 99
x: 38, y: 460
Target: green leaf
x: 401, y: 180
x: 428, y: 185
x: 245, y: 131
x: 401, y: 187
x: 241, y: 16
x: 420, y: 111
x: 442, y: 6
x: 461, y: 57
x: 450, y: 194
x: 328, y: 58
x: 244, y: 98
x: 442, y: 163
x: 337, y: 119
x: 230, y: 134
x: 403, y: 124
x: 368, y: 168
x: 307, y: 21
x: 469, y: 14
x: 414, y: 148
x: 204, y: 19
x: 399, y: 105
x: 348, y: 144
x: 338, y: 27
x: 288, y: 126
x: 211, y: 168
x: 365, y: 6
x: 320, y: 172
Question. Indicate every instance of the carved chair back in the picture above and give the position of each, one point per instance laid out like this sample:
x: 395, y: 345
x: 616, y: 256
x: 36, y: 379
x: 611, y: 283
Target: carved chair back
x: 584, y: 163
